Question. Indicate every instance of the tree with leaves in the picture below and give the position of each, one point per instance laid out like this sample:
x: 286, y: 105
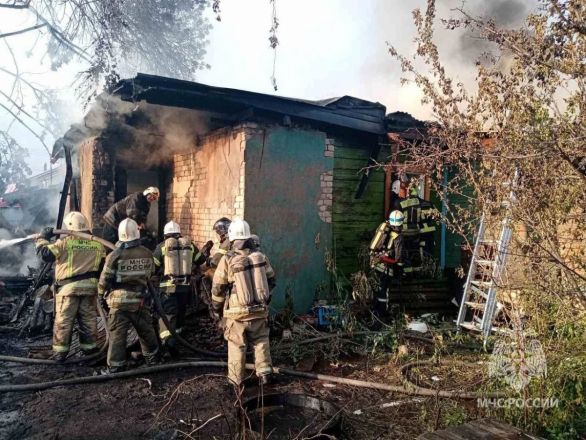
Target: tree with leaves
x: 521, y: 127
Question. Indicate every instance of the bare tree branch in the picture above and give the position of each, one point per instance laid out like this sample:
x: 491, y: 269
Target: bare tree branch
x: 25, y: 125
x: 16, y: 5
x: 22, y: 31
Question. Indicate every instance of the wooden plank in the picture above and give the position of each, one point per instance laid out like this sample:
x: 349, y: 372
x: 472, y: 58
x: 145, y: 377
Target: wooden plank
x: 484, y: 429
x: 467, y: 432
x: 501, y: 429
x: 430, y: 436
x: 341, y: 153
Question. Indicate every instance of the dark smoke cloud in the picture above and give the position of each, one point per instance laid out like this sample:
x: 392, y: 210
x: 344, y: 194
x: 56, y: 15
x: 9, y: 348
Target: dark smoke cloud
x: 504, y: 13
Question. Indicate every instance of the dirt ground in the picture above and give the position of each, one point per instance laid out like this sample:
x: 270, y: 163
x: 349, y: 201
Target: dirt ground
x: 177, y: 404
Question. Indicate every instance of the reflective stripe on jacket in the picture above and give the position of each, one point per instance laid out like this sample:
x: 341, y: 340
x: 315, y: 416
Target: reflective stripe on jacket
x: 125, y: 275
x: 74, y: 257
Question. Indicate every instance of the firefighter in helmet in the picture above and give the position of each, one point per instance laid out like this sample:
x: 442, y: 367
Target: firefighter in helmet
x: 419, y: 226
x: 398, y: 194
x: 174, y: 259
x: 221, y: 228
x: 388, y: 256
x: 77, y: 268
x: 123, y: 285
x: 135, y: 206
x: 241, y: 293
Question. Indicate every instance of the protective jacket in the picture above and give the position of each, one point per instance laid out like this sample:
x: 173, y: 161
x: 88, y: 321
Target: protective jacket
x: 77, y: 263
x: 174, y: 259
x: 387, y: 247
x: 411, y: 207
x: 125, y: 275
x: 418, y: 215
x: 426, y: 217
x: 135, y: 205
x: 222, y: 248
x: 225, y: 294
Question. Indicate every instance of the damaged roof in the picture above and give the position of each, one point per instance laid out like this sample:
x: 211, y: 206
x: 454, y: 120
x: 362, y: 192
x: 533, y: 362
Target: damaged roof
x: 347, y: 111
x: 344, y: 112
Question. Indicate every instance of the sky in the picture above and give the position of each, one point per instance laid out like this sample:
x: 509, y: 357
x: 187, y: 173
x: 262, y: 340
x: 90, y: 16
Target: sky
x: 326, y: 48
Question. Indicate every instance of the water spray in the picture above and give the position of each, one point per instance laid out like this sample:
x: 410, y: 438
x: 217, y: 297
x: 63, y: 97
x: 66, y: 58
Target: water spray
x: 15, y: 241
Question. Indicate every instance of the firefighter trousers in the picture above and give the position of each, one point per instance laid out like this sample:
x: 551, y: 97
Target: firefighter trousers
x: 68, y: 309
x: 119, y: 323
x: 240, y: 333
x: 174, y: 306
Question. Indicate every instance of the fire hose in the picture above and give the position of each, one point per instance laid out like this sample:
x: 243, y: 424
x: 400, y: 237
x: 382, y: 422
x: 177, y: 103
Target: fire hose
x: 157, y: 303
x: 406, y: 389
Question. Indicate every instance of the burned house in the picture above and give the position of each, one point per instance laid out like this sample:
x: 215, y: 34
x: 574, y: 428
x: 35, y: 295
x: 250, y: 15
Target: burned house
x: 297, y: 171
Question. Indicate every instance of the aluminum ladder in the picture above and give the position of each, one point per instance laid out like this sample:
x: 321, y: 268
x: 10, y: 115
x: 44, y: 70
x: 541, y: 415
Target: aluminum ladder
x: 484, y: 276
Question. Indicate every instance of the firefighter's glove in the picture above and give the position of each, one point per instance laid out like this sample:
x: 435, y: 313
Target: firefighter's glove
x: 205, y: 250
x: 47, y: 233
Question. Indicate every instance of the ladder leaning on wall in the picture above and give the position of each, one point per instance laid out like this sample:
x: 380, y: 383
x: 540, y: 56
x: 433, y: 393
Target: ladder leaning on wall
x: 479, y: 306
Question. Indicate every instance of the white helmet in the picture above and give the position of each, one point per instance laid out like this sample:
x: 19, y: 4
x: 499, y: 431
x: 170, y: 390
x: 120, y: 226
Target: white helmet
x: 238, y: 230
x: 75, y: 221
x: 128, y: 230
x: 171, y: 228
x: 396, y: 187
x: 152, y: 190
x: 396, y: 218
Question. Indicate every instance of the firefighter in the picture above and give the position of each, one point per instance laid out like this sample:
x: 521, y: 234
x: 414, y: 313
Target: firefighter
x: 135, y: 206
x: 123, y: 286
x: 221, y: 228
x: 241, y: 293
x: 174, y: 260
x: 77, y: 268
x: 398, y: 195
x: 388, y: 256
x: 411, y: 207
x: 427, y: 228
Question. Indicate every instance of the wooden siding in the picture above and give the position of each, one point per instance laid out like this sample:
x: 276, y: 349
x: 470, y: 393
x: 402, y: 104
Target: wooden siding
x: 354, y: 220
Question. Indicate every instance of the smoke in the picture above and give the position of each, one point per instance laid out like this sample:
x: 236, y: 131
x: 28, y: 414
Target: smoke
x: 504, y: 13
x: 169, y: 131
x: 144, y: 134
x: 16, y: 255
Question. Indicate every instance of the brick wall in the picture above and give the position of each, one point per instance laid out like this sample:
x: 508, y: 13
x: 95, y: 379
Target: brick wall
x: 96, y: 176
x: 208, y: 183
x: 325, y: 201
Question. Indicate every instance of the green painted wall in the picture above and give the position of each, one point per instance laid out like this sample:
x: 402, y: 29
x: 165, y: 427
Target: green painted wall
x: 454, y: 241
x: 354, y: 220
x: 282, y: 190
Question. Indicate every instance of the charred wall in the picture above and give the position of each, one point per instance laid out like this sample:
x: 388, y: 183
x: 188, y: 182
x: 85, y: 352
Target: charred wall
x: 96, y: 177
